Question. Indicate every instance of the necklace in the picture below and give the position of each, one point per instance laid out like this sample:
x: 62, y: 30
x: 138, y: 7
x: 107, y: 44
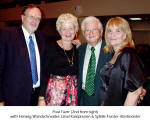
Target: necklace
x: 69, y: 60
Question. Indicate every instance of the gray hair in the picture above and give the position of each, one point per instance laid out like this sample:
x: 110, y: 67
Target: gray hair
x: 66, y: 17
x: 88, y: 19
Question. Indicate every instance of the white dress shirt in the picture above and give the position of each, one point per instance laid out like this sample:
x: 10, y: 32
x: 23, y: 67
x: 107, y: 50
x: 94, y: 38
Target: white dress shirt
x: 26, y: 34
x: 87, y: 59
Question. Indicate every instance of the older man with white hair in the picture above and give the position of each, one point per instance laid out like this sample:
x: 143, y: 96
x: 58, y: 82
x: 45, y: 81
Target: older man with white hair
x: 91, y: 60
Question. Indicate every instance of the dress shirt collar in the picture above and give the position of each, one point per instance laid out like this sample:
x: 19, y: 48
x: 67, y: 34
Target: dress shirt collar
x: 97, y: 46
x: 26, y: 34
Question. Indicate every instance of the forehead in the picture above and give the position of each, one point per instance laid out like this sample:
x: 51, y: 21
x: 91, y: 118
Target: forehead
x: 114, y: 27
x: 67, y: 24
x: 91, y: 24
x: 33, y: 11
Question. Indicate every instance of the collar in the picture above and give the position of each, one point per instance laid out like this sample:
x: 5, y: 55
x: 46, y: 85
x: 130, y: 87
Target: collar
x: 96, y: 46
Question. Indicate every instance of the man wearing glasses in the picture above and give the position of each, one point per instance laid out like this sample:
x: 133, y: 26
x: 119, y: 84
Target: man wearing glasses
x: 21, y: 49
x: 91, y: 60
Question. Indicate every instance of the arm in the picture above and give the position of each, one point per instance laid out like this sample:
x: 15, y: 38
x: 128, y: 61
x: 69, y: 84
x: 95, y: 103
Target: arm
x: 133, y: 97
x: 3, y: 39
x: 133, y: 81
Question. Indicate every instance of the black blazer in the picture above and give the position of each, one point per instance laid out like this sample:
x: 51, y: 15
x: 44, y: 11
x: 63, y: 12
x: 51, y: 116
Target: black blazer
x: 15, y: 73
x: 103, y: 58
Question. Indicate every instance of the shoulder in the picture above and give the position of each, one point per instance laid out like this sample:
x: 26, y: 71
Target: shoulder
x: 130, y: 57
x: 42, y: 35
x: 83, y: 46
x: 9, y: 34
x: 103, y: 43
x: 129, y: 52
x: 9, y: 29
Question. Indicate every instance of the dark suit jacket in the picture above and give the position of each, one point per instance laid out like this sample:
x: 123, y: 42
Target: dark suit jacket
x: 15, y: 73
x: 83, y: 98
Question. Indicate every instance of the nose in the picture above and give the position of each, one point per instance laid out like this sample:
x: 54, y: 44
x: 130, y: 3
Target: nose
x: 91, y: 32
x: 113, y: 34
x: 36, y: 19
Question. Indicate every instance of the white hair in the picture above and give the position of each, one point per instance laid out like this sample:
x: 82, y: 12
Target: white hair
x: 88, y: 19
x: 66, y: 17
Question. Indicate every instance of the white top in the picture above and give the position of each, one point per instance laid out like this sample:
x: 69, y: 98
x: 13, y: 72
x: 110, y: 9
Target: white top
x: 87, y: 59
x: 26, y: 35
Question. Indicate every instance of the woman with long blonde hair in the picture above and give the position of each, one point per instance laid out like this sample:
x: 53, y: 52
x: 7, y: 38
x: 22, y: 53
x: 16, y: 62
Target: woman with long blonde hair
x: 123, y: 76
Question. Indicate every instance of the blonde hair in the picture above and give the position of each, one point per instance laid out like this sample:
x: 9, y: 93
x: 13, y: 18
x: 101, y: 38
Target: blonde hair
x: 66, y: 17
x: 122, y: 24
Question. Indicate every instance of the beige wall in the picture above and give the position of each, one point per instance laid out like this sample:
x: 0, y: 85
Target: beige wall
x: 84, y: 8
x: 91, y: 7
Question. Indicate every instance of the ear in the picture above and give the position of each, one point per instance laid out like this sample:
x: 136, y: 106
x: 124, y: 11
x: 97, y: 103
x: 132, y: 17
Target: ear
x: 22, y: 17
x: 101, y: 32
x: 124, y: 36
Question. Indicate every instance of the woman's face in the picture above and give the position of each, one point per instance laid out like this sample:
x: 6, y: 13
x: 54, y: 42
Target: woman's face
x: 115, y: 36
x: 67, y: 31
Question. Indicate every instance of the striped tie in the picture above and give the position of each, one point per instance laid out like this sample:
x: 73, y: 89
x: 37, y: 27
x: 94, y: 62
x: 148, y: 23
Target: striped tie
x: 33, y: 61
x: 89, y: 86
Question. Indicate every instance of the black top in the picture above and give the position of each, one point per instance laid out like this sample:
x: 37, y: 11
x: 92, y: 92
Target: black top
x: 126, y: 74
x: 56, y: 63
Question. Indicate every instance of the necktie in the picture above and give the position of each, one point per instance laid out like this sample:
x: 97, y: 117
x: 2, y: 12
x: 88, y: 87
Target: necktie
x: 33, y: 60
x: 89, y: 85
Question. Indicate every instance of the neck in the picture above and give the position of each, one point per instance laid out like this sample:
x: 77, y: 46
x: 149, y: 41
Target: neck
x: 116, y: 49
x: 66, y: 45
x: 93, y: 44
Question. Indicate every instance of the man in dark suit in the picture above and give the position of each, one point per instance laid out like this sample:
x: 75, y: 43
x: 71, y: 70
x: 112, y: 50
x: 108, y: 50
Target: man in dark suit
x: 92, y: 30
x: 20, y: 60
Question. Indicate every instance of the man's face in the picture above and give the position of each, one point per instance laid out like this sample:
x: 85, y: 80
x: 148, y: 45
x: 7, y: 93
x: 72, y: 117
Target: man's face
x: 31, y: 19
x: 92, y: 33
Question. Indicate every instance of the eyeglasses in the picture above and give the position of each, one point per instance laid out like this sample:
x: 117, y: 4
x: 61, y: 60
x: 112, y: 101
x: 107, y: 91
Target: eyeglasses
x: 33, y: 17
x: 92, y: 30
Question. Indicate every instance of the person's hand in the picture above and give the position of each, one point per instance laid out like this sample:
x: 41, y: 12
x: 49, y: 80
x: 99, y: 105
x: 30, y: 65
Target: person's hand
x: 2, y: 104
x: 141, y: 97
x: 76, y: 42
x: 142, y: 94
x: 41, y: 101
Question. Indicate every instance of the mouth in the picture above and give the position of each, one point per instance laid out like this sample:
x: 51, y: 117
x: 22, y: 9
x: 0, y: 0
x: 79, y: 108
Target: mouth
x: 33, y: 25
x: 112, y: 39
x: 91, y: 37
x: 68, y: 36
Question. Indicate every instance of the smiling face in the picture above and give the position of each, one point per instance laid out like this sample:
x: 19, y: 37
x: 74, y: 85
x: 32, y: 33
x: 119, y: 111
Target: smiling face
x: 31, y: 19
x: 115, y: 36
x: 67, y: 31
x: 92, y: 33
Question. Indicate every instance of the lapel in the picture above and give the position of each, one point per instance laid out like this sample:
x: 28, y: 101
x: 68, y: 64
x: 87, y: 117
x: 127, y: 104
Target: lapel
x: 38, y: 40
x: 23, y: 49
x: 82, y: 51
x: 101, y: 60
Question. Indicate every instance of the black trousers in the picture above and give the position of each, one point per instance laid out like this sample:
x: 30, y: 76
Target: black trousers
x: 86, y: 100
x: 34, y: 96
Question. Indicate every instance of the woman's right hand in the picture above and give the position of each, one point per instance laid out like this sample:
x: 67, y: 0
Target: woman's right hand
x: 41, y: 101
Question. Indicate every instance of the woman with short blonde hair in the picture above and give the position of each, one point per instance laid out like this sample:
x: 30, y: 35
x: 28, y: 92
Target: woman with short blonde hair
x: 59, y: 85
